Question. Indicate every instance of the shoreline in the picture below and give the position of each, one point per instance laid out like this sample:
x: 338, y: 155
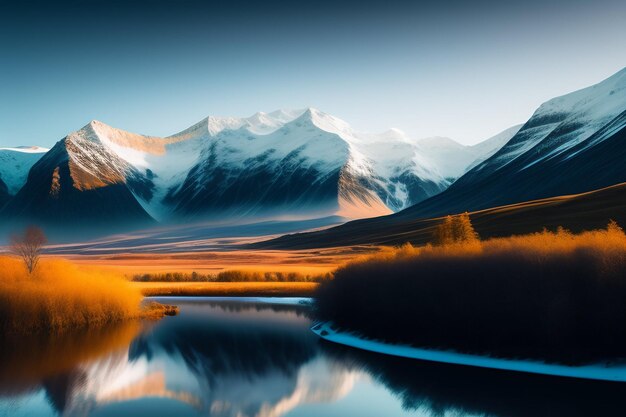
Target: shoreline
x: 226, y: 289
x: 600, y: 372
x: 285, y: 301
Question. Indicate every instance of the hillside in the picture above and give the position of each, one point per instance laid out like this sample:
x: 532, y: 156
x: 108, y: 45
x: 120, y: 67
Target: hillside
x: 586, y: 211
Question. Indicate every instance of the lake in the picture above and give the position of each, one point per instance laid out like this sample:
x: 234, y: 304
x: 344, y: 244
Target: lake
x: 258, y: 357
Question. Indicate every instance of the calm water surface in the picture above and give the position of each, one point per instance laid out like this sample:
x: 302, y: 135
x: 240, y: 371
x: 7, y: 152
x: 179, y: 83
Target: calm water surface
x: 228, y: 357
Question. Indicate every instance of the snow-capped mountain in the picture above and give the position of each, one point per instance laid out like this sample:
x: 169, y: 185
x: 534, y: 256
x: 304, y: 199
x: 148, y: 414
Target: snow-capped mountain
x: 453, y: 159
x: 15, y: 164
x: 571, y: 144
x: 288, y: 163
x: 308, y: 162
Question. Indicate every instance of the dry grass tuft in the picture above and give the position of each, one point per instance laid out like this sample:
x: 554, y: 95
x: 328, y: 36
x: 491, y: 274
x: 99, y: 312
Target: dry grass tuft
x: 155, y: 311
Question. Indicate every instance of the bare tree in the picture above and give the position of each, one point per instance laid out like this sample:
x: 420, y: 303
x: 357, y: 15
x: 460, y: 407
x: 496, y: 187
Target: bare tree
x: 28, y: 246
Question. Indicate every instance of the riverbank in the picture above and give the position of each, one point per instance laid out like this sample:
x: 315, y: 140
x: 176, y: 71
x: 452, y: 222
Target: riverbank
x: 615, y: 372
x: 554, y: 297
x: 226, y: 289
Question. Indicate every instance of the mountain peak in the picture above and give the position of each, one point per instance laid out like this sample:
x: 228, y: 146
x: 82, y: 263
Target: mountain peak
x: 326, y: 122
x: 97, y: 124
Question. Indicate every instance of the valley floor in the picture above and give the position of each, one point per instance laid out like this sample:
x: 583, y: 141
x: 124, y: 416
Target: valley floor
x: 302, y: 261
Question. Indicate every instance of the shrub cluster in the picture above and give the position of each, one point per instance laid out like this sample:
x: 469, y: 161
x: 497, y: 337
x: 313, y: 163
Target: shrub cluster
x: 174, y: 277
x: 233, y: 276
x: 550, y: 295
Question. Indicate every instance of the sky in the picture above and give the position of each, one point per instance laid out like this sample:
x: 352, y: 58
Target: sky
x: 461, y: 69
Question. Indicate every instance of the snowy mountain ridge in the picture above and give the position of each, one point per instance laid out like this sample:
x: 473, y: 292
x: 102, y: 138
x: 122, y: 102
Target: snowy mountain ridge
x: 389, y: 165
x: 560, y: 124
x: 571, y: 144
x: 287, y: 163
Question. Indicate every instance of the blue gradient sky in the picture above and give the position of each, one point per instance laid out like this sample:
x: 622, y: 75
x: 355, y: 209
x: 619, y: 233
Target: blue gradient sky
x: 458, y: 69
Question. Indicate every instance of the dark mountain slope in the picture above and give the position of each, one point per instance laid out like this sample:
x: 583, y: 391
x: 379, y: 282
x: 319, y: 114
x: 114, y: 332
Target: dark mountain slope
x: 578, y: 212
x: 4, y: 194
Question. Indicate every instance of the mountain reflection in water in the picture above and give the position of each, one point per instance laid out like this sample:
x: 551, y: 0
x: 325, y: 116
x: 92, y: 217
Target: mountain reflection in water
x: 248, y: 358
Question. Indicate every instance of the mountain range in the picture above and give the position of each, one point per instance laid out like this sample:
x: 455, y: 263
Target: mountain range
x: 297, y: 164
x: 306, y: 164
x: 572, y: 144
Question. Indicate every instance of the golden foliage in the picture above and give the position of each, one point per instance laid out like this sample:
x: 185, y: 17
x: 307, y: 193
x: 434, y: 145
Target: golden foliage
x: 233, y: 276
x: 455, y: 229
x: 610, y: 242
x: 59, y: 295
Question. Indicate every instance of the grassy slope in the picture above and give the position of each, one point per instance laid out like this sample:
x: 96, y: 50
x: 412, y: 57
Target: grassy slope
x: 578, y: 212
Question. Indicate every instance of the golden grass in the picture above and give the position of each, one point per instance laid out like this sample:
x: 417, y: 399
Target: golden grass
x: 59, y: 296
x: 314, y: 262
x: 610, y: 243
x: 232, y: 276
x: 227, y: 289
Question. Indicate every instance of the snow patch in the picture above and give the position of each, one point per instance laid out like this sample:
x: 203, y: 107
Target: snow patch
x: 15, y: 164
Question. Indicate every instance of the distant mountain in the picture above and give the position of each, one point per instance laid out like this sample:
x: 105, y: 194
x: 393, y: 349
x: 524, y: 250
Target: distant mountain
x: 572, y: 144
x: 453, y: 159
x: 15, y: 164
x: 487, y: 148
x: 302, y: 164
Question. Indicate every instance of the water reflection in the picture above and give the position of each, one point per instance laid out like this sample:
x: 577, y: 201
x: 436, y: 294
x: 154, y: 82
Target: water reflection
x: 441, y: 389
x: 27, y: 362
x: 229, y: 358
